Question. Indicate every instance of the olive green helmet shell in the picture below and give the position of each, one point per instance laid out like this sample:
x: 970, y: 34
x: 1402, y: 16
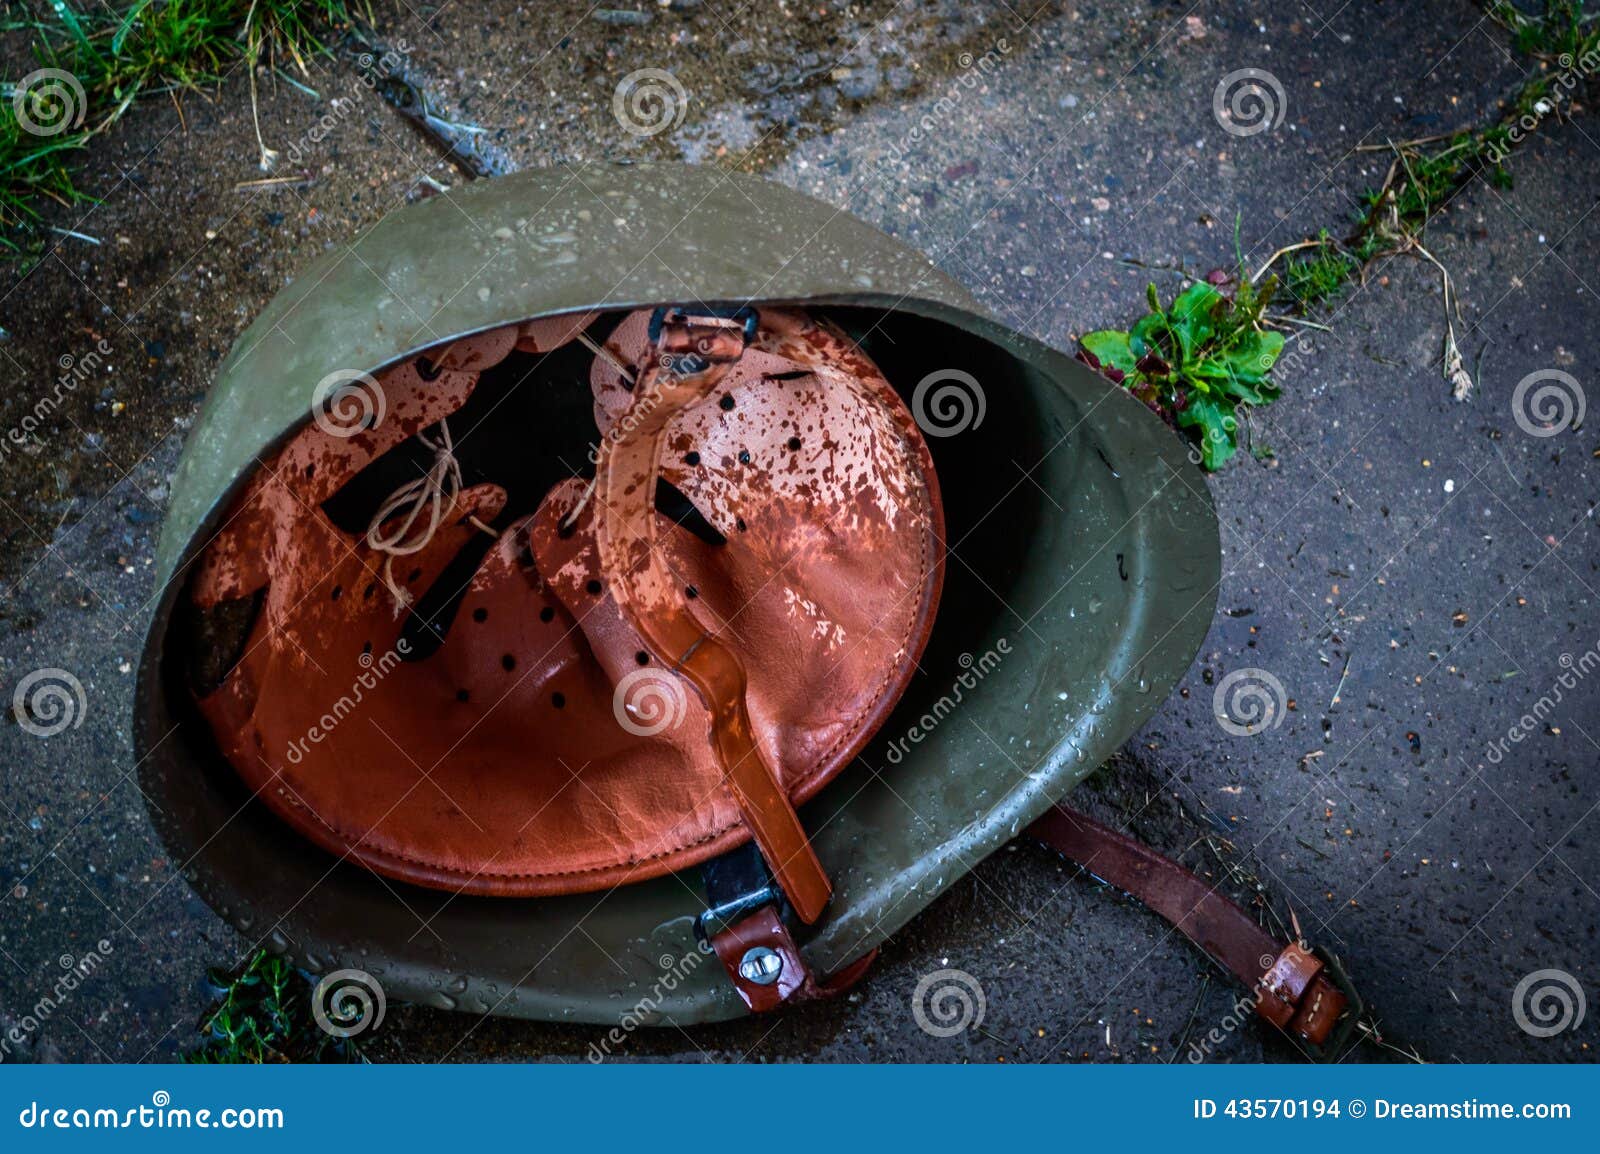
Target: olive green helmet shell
x: 1081, y: 581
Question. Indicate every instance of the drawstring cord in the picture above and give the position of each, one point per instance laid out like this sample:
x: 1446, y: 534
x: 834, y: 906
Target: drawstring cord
x: 626, y: 374
x: 608, y: 357
x: 434, y: 491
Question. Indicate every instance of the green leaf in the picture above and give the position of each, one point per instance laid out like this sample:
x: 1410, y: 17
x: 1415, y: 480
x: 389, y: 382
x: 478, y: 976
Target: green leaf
x: 1111, y: 348
x: 1199, y: 298
x: 1252, y: 393
x: 71, y: 22
x: 1192, y: 313
x: 1217, y: 427
x: 1263, y: 348
x: 1251, y: 357
x: 1145, y: 333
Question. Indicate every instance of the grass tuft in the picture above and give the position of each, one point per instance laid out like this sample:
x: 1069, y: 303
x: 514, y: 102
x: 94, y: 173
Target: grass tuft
x: 32, y: 169
x: 144, y: 48
x: 1319, y: 275
x: 1426, y: 173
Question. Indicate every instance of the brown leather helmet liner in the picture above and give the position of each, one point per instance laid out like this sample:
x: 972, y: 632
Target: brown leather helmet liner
x: 539, y: 748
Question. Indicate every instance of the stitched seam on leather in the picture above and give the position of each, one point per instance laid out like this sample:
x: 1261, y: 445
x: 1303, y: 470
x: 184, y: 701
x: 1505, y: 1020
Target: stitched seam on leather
x: 361, y: 846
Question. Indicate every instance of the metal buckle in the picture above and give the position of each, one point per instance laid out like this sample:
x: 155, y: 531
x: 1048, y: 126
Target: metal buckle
x: 718, y: 918
x: 738, y: 884
x: 745, y: 315
x: 705, y: 330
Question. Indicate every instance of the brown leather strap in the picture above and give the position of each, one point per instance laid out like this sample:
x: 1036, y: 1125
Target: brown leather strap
x: 655, y: 602
x: 1292, y: 989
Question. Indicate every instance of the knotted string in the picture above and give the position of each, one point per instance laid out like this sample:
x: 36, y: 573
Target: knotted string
x: 434, y: 491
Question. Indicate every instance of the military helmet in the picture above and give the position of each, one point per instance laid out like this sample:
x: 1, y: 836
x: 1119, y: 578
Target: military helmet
x: 653, y: 549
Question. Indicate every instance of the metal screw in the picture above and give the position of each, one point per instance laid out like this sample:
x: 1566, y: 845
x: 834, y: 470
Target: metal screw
x: 760, y: 965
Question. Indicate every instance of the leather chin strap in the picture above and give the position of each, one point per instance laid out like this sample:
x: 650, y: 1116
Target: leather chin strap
x: 692, y: 355
x: 1294, y: 989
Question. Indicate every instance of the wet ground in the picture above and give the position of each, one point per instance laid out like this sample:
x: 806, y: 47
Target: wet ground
x: 1416, y: 572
